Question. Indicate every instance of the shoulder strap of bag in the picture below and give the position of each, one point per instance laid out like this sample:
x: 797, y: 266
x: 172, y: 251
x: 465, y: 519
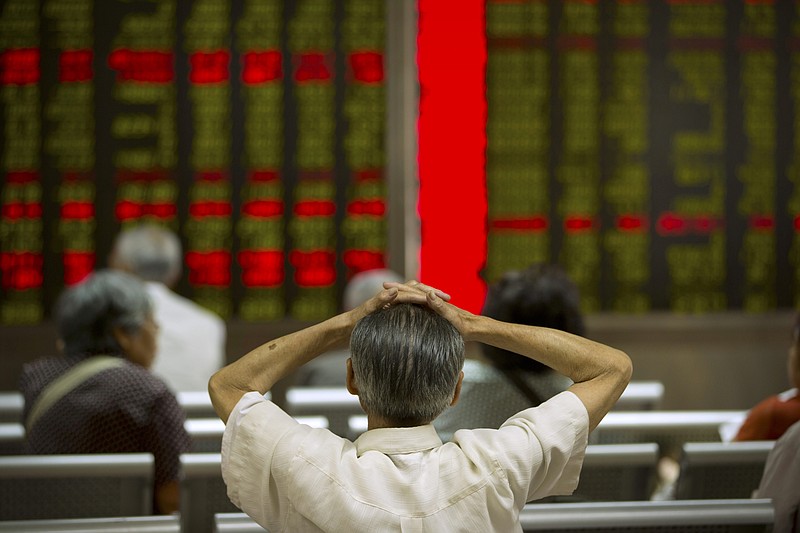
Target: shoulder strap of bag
x: 68, y: 382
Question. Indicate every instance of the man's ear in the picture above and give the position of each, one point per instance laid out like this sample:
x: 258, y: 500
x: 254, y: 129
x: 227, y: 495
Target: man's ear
x: 122, y: 338
x: 457, y: 392
x: 351, y: 379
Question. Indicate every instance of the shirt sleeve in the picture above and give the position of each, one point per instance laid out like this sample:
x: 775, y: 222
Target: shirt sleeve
x: 256, y: 470
x: 540, y: 449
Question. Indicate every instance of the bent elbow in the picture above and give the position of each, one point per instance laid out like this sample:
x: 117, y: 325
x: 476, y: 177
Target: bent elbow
x: 623, y: 367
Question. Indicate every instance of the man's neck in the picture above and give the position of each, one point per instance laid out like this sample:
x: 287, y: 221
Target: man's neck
x: 378, y: 422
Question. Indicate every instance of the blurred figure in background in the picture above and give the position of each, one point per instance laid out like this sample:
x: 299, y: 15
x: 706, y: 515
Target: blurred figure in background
x: 504, y: 383
x: 191, y: 341
x: 99, y: 397
x: 781, y: 481
x: 328, y: 370
x: 773, y: 416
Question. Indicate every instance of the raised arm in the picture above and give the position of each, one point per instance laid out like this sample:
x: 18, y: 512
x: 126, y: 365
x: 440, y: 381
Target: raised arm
x: 600, y: 372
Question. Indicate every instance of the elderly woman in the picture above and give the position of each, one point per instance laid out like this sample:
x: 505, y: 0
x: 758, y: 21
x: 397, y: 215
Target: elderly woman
x: 100, y: 397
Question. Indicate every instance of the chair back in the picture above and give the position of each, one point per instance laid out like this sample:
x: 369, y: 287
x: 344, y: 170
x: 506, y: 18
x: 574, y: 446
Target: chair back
x: 669, y: 429
x: 196, y: 404
x: 618, y: 472
x: 641, y: 396
x: 11, y: 405
x: 235, y: 523
x: 117, y: 524
x: 716, y: 470
x: 203, y: 493
x: 334, y: 403
x: 719, y: 516
x: 12, y: 439
x: 75, y: 486
x: 206, y: 433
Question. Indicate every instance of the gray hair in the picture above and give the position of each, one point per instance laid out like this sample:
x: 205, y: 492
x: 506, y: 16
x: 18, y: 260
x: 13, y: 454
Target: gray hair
x: 86, y: 314
x: 406, y: 361
x: 151, y: 252
x: 365, y: 285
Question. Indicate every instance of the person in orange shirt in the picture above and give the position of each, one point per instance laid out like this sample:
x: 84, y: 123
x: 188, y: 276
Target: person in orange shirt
x: 773, y: 416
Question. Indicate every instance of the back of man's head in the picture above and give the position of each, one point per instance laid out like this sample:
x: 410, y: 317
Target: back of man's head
x: 541, y: 295
x: 150, y: 252
x: 406, y: 361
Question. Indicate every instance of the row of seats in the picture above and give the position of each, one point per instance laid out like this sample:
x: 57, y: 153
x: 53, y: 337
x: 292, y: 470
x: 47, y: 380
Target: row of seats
x: 49, y: 486
x: 669, y: 429
x: 722, y: 516
x: 206, y: 434
x: 638, y: 396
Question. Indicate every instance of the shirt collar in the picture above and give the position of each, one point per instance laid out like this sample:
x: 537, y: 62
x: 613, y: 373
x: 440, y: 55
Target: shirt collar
x: 392, y: 441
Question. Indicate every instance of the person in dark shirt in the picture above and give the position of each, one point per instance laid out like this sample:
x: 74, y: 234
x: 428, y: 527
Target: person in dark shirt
x: 501, y: 382
x: 113, y: 403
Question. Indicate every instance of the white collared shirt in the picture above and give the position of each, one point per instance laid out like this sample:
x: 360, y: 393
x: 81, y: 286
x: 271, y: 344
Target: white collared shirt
x: 291, y: 477
x: 191, y: 340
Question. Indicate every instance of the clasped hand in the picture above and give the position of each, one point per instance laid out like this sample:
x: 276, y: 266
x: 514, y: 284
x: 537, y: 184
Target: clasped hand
x: 418, y: 293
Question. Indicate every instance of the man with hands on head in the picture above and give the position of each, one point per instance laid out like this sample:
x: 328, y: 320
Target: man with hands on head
x: 407, y: 350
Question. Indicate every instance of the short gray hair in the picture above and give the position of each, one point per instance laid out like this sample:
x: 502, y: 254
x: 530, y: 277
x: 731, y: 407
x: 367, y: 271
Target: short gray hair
x: 151, y: 252
x: 406, y: 361
x: 86, y: 314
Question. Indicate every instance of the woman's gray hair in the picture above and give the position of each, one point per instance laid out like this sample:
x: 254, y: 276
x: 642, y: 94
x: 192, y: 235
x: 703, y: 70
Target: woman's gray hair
x: 86, y: 314
x: 150, y: 252
x: 406, y: 361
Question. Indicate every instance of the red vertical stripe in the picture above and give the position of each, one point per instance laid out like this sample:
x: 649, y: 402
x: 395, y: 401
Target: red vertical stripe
x: 451, y: 57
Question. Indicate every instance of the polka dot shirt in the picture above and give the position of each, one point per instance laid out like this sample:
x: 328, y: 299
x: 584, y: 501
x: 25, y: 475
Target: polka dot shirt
x: 120, y: 410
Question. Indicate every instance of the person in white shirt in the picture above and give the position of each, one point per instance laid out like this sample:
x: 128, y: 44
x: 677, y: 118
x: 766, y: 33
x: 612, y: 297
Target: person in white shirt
x: 407, y: 351
x: 781, y: 481
x: 191, y: 340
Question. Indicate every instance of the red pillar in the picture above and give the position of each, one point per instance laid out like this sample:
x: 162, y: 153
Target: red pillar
x: 451, y: 57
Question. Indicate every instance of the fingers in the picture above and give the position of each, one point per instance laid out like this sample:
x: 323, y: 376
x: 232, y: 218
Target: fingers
x: 414, y: 285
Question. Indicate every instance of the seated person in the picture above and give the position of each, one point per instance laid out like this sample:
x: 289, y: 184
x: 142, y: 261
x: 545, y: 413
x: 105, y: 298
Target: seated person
x: 328, y: 370
x: 407, y: 351
x: 504, y: 382
x: 773, y: 416
x: 113, y: 404
x: 191, y: 339
x: 781, y: 481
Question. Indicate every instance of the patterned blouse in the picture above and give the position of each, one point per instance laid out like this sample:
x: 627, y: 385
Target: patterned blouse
x: 124, y: 409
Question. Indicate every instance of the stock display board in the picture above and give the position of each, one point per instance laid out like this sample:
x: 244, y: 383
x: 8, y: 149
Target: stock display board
x: 252, y: 128
x: 652, y: 148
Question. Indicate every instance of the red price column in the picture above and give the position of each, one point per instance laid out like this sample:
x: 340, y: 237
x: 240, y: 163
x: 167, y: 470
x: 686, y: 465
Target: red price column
x: 518, y: 135
x: 143, y: 61
x: 261, y: 224
x: 21, y: 223
x: 364, y: 226
x: 312, y: 228
x: 70, y: 132
x: 208, y: 230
